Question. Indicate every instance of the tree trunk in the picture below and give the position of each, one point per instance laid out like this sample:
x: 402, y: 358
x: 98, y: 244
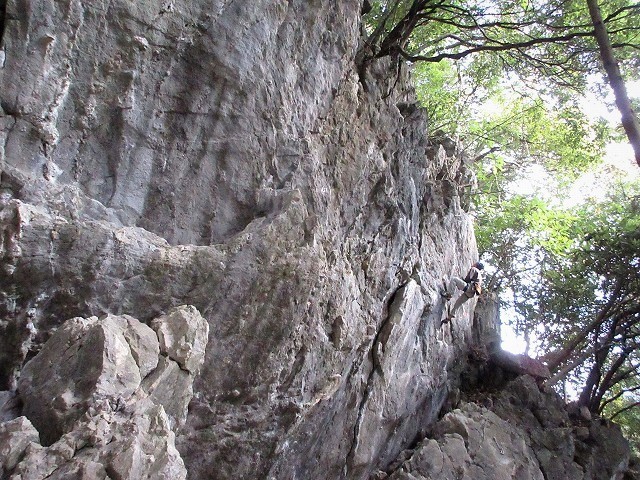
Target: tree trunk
x: 556, y: 358
x: 629, y: 121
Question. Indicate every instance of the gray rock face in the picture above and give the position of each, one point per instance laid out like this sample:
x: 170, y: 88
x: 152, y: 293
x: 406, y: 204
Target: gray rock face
x: 525, y: 434
x: 105, y: 402
x: 232, y: 156
x: 139, y: 104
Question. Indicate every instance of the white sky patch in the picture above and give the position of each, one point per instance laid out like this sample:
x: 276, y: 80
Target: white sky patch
x: 621, y: 156
x: 534, y: 180
x: 510, y: 341
x: 619, y: 162
x: 595, y: 106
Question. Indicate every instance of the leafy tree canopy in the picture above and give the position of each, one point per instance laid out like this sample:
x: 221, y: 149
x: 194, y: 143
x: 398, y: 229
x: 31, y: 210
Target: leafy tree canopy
x: 543, y: 53
x: 551, y: 40
x: 575, y: 274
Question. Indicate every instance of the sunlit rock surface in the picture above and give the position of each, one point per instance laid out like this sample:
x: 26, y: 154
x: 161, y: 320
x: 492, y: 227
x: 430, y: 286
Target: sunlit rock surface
x: 91, y: 408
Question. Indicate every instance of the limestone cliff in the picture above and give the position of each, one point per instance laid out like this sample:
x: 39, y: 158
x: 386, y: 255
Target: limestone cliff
x: 232, y: 156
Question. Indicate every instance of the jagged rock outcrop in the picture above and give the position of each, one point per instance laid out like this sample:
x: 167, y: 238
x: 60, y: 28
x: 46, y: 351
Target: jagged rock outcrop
x: 517, y: 431
x: 93, y: 405
x: 233, y: 156
x: 87, y: 360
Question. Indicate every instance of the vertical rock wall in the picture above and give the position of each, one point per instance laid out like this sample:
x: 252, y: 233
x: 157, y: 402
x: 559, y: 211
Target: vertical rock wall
x: 227, y: 155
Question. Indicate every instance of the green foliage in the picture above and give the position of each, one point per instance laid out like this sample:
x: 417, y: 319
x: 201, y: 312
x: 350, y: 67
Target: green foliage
x: 450, y: 91
x: 581, y: 289
x: 529, y: 60
x: 549, y: 41
x: 530, y: 131
x: 515, y: 235
x: 506, y: 131
x: 439, y: 93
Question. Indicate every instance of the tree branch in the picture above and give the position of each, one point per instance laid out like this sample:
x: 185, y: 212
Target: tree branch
x: 556, y: 358
x: 493, y: 48
x: 629, y: 120
x: 622, y: 410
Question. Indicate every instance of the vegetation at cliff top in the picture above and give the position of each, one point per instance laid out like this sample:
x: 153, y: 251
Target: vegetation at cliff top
x: 552, y: 47
x: 509, y: 80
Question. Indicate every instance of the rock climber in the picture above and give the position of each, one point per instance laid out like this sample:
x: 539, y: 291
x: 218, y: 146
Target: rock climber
x: 470, y: 286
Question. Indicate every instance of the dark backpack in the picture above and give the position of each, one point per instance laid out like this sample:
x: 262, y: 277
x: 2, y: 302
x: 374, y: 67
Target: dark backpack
x: 472, y: 279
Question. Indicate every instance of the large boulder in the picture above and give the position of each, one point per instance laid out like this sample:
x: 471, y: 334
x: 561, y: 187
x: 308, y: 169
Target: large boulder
x: 117, y: 400
x: 182, y: 334
x: 133, y: 443
x: 86, y: 360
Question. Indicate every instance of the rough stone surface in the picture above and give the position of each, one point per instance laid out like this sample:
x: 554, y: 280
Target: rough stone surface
x: 183, y: 335
x: 524, y: 433
x: 236, y: 159
x: 142, y: 342
x: 9, y: 406
x: 136, y: 442
x: 85, y: 361
x: 171, y: 387
x: 15, y: 436
x: 112, y: 423
x: 472, y: 443
x: 233, y: 156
